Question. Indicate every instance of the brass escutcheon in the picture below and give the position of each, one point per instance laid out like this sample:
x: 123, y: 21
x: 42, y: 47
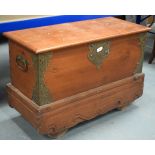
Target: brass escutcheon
x: 98, y: 52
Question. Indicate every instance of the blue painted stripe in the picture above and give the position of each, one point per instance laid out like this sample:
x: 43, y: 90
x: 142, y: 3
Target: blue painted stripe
x: 44, y: 21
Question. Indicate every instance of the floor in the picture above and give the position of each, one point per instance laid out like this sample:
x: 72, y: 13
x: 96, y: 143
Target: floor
x: 137, y: 121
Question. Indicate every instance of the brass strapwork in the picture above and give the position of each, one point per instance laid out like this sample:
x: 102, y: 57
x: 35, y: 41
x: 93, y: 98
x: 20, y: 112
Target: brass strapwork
x: 142, y: 40
x: 41, y: 93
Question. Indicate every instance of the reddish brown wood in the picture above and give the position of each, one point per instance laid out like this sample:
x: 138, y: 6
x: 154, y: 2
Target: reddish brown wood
x: 70, y: 72
x: 79, y: 90
x: 24, y: 81
x: 47, y: 38
x: 55, y: 118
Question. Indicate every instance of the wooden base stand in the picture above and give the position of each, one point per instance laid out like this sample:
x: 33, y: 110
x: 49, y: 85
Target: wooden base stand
x: 57, y: 117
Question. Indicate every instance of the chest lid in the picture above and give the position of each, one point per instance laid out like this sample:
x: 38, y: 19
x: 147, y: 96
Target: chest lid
x: 53, y: 37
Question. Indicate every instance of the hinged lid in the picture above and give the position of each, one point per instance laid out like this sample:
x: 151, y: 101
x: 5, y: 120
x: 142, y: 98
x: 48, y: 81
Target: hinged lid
x: 53, y: 37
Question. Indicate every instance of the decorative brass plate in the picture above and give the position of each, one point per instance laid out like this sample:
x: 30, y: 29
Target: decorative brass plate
x: 142, y: 39
x: 98, y: 52
x: 41, y: 93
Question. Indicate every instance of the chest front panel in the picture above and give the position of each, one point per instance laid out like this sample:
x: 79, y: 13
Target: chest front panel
x: 65, y: 72
x: 70, y: 71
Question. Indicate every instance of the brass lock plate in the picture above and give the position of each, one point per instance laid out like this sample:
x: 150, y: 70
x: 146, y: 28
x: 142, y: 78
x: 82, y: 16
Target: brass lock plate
x: 98, y: 52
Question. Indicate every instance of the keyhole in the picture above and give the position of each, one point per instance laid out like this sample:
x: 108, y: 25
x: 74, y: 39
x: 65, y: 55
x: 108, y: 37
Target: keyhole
x: 99, y: 49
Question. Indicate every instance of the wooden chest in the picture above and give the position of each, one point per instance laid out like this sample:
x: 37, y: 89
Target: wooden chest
x: 64, y: 74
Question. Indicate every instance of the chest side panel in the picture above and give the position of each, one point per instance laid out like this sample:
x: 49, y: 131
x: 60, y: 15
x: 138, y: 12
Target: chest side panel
x: 70, y: 71
x: 22, y: 69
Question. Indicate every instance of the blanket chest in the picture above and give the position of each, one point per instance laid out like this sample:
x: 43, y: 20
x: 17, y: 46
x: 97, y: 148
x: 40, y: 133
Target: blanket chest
x: 64, y: 74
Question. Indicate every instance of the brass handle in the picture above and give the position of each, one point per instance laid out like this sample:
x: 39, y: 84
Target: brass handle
x: 22, y: 63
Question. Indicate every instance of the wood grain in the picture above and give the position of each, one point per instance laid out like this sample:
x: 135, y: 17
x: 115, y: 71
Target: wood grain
x: 57, y: 117
x: 48, y: 38
x: 59, y: 74
x: 24, y: 81
x: 70, y: 72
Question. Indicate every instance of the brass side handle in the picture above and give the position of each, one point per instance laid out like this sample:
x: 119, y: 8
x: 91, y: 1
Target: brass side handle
x: 22, y: 63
